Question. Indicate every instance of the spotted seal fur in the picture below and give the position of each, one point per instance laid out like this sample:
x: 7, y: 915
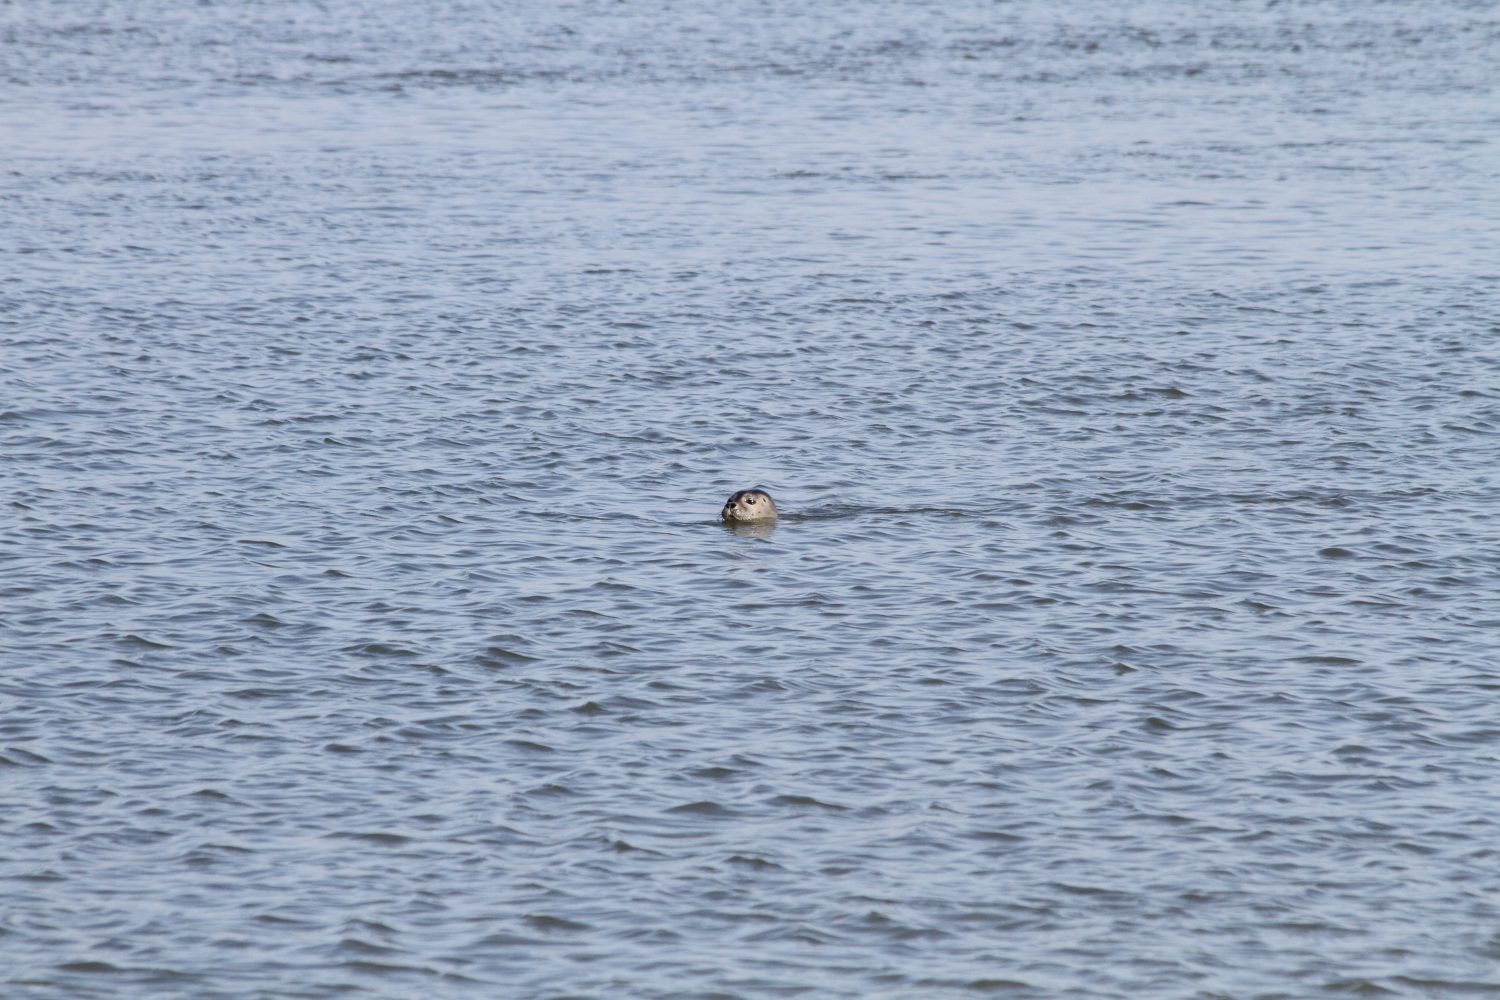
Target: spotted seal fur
x: 749, y: 505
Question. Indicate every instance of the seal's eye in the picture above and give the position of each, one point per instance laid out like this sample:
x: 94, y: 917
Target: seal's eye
x: 749, y: 499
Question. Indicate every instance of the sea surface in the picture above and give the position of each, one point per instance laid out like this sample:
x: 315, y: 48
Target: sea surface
x: 371, y: 375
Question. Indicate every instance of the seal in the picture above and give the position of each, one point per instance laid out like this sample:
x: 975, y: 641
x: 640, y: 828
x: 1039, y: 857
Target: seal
x: 749, y: 505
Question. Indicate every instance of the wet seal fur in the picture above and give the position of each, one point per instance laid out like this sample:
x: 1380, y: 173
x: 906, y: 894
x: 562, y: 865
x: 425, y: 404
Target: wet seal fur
x: 749, y: 505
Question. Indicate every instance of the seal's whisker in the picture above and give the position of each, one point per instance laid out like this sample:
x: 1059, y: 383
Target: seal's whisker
x: 749, y: 505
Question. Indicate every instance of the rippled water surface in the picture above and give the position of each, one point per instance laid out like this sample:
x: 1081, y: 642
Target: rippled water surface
x: 371, y: 375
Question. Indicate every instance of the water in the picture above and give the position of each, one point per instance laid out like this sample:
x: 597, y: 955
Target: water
x: 371, y: 375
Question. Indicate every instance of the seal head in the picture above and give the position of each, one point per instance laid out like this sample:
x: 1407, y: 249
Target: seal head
x: 749, y: 505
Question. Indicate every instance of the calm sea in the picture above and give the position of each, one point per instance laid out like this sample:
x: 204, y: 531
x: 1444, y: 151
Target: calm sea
x: 371, y: 374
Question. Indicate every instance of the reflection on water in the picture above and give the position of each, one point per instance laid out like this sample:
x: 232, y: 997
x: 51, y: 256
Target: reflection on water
x: 369, y: 374
x: 750, y: 529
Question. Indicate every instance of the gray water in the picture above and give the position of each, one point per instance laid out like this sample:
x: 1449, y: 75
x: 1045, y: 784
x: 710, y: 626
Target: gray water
x: 371, y: 375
